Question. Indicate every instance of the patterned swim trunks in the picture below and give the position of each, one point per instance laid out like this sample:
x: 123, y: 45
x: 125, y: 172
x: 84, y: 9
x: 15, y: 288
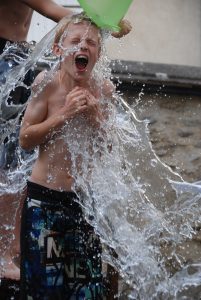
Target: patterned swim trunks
x: 60, y: 253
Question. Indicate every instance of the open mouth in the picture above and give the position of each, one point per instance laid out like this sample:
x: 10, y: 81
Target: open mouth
x: 81, y: 62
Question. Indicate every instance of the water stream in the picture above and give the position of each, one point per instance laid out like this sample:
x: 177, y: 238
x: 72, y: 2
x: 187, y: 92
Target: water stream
x: 143, y: 211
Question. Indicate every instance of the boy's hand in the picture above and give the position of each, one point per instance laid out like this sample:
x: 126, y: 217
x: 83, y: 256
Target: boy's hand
x: 76, y: 102
x: 93, y: 109
x: 79, y: 101
x: 125, y: 28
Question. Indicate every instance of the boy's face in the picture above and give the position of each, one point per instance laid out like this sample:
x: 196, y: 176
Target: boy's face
x: 86, y: 38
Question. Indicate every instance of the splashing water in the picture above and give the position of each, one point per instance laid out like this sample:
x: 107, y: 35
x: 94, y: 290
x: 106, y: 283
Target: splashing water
x: 143, y: 211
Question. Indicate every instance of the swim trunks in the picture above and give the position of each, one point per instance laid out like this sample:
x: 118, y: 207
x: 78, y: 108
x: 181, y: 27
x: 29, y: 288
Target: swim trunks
x: 60, y: 253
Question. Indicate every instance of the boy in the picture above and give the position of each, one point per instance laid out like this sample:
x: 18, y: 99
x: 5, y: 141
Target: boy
x: 15, y: 20
x: 60, y: 253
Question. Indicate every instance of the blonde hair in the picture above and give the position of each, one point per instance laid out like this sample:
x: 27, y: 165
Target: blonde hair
x: 74, y: 19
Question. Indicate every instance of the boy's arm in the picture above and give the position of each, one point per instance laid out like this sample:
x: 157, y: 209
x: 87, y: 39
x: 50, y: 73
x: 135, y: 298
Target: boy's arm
x: 37, y: 127
x: 49, y: 9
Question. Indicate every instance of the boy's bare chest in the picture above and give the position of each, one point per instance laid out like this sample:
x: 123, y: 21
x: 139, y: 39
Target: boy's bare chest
x: 56, y: 100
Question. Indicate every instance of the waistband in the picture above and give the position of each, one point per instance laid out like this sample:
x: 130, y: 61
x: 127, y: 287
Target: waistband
x: 24, y: 46
x: 44, y: 194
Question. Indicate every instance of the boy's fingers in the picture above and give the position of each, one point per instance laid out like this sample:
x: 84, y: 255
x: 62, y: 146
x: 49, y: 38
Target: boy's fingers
x: 76, y: 88
x: 79, y: 98
x: 125, y: 28
x: 77, y: 93
x: 82, y: 102
x: 81, y: 108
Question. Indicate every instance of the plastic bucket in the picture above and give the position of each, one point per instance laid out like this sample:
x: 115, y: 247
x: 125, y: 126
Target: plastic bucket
x: 106, y: 13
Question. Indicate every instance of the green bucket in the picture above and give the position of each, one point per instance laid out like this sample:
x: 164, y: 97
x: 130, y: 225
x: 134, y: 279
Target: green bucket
x: 106, y: 13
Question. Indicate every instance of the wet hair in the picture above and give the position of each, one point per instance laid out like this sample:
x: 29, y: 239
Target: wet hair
x: 74, y: 19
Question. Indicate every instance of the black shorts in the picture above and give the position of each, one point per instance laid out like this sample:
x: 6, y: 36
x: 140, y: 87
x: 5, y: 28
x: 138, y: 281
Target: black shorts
x: 3, y: 44
x: 60, y: 253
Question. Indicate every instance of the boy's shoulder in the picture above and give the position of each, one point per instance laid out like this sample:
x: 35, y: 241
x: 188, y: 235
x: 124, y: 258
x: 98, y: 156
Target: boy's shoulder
x: 108, y: 88
x: 39, y: 79
x: 43, y: 81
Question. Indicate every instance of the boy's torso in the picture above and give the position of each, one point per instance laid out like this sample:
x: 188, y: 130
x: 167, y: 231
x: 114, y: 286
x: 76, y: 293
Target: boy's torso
x: 53, y: 165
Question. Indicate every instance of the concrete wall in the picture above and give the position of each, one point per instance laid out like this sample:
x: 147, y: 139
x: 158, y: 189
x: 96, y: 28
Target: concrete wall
x: 166, y: 31
x: 163, y: 32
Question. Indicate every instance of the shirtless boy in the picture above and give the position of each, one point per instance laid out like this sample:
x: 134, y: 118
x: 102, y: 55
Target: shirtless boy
x: 60, y: 253
x: 15, y: 19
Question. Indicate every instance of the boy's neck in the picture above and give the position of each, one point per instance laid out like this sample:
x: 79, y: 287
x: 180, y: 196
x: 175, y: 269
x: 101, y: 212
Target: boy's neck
x: 69, y: 83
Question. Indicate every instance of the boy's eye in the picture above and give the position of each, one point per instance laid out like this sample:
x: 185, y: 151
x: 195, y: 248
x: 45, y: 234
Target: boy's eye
x: 75, y: 41
x: 92, y: 42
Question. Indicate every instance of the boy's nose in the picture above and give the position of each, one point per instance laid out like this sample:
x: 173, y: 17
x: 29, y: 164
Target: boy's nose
x: 83, y: 45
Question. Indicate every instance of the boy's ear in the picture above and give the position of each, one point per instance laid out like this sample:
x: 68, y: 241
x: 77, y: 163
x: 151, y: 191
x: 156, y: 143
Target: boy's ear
x: 56, y: 49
